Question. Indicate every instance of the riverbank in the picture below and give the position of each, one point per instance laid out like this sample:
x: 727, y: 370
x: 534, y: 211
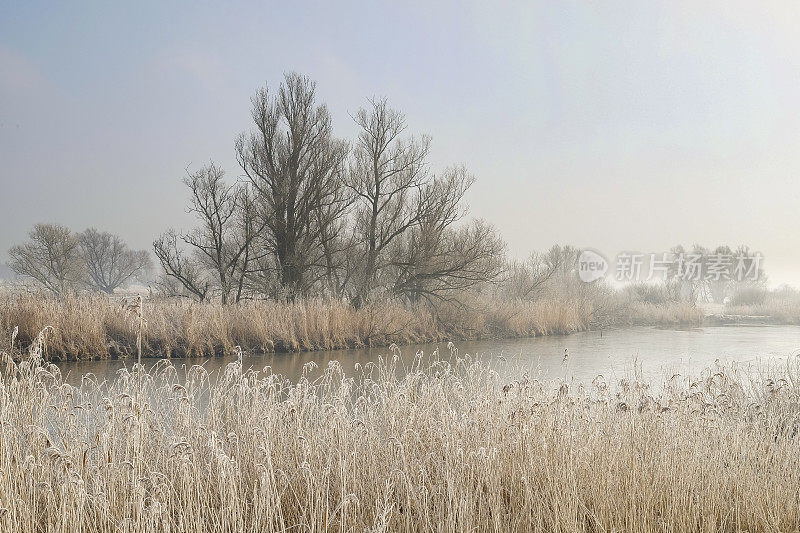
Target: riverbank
x: 444, y: 447
x: 90, y: 327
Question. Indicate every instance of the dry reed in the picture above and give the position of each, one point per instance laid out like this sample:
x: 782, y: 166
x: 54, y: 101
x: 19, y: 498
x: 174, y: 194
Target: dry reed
x: 97, y: 327
x: 782, y: 307
x: 667, y: 314
x: 444, y: 445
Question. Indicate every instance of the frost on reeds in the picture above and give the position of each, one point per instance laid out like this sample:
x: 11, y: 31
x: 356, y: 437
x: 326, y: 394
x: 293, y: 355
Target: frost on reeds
x: 98, y: 327
x: 781, y: 306
x: 441, y: 445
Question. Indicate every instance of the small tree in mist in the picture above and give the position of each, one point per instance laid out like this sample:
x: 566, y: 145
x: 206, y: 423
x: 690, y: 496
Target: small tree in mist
x: 183, y: 274
x: 528, y: 279
x: 221, y: 246
x: 704, y: 274
x: 52, y: 257
x: 435, y: 259
x: 436, y: 265
x: 719, y: 288
x: 109, y: 262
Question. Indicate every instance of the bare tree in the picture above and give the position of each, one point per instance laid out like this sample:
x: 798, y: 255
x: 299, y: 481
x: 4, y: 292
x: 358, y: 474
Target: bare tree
x: 183, y: 269
x: 295, y: 167
x: 440, y: 265
x: 528, y: 280
x: 435, y: 260
x: 51, y: 257
x: 248, y: 228
x: 336, y: 242
x: 221, y: 246
x: 387, y: 176
x: 109, y: 261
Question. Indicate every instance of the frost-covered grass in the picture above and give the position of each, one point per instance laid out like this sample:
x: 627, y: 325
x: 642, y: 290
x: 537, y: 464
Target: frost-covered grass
x: 443, y: 445
x: 98, y: 327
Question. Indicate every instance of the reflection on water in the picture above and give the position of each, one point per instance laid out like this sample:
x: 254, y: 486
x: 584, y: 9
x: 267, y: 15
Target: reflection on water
x: 615, y: 353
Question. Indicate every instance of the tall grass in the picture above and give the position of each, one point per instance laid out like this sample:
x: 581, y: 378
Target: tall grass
x: 666, y: 314
x: 782, y: 305
x: 97, y: 327
x: 439, y: 446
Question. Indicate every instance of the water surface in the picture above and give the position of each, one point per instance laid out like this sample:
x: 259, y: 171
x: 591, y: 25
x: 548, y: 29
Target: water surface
x: 650, y: 352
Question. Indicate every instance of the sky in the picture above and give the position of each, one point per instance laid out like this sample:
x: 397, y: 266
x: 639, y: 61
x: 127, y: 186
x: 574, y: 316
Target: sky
x: 619, y: 126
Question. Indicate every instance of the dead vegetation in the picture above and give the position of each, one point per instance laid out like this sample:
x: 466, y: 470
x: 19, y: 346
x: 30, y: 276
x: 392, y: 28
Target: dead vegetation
x: 95, y: 326
x: 443, y: 445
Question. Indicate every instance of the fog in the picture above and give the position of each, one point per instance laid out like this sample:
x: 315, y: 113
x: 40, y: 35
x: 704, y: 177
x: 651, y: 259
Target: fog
x: 615, y: 127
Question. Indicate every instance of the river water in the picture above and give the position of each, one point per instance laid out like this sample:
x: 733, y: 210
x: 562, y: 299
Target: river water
x: 651, y: 353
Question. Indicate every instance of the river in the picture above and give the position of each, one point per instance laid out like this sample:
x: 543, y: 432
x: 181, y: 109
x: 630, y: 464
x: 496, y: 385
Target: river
x: 651, y: 353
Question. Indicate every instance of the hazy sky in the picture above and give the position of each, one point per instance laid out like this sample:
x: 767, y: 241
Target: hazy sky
x: 611, y: 125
